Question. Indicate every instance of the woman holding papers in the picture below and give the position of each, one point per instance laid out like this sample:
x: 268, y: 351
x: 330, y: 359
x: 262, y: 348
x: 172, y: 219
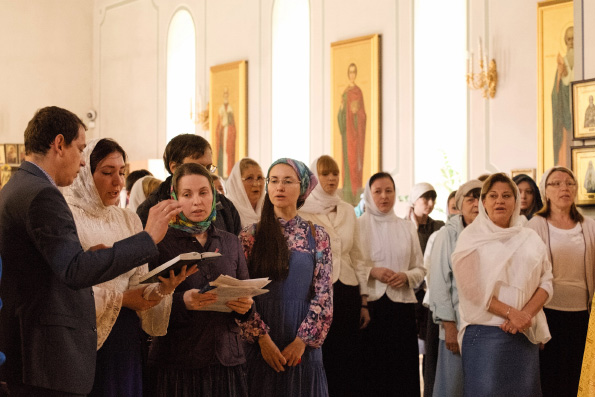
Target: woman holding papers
x: 202, y: 353
x: 350, y: 279
x: 504, y: 278
x: 297, y: 312
x: 93, y: 199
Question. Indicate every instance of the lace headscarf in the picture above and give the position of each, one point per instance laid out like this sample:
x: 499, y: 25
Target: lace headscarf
x: 83, y: 193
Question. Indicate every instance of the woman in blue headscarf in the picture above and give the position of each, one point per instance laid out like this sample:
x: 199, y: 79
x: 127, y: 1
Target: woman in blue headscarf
x: 296, y: 314
x: 202, y: 353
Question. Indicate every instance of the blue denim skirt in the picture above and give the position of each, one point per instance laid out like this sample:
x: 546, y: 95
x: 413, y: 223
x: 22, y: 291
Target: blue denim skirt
x: 499, y: 364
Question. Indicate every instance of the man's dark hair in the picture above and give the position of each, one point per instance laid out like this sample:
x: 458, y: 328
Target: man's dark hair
x: 182, y: 146
x: 104, y: 148
x: 46, y: 124
x: 135, y: 176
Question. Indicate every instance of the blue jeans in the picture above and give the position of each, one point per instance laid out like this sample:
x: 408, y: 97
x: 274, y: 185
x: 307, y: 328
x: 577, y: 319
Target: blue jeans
x: 499, y: 364
x: 449, y: 373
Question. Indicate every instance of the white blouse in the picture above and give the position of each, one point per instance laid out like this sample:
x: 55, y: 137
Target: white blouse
x: 401, y: 253
x: 348, y: 264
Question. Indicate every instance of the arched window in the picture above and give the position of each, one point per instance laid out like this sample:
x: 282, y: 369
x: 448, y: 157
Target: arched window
x: 291, y: 79
x: 440, y: 95
x: 181, y: 75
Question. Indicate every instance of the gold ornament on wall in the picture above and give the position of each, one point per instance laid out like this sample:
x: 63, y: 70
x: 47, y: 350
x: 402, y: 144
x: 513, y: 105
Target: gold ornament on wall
x: 487, y: 78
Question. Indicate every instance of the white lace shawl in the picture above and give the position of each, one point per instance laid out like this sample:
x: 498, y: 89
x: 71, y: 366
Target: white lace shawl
x: 98, y: 224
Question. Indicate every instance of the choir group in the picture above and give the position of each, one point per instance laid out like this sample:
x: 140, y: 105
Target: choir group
x: 498, y: 297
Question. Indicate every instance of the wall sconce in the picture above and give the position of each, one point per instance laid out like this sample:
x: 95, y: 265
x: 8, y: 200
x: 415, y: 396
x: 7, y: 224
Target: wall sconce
x: 487, y: 78
x: 201, y: 118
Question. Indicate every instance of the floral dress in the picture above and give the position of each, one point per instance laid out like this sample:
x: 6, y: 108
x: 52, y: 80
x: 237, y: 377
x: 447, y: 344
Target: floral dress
x: 300, y: 305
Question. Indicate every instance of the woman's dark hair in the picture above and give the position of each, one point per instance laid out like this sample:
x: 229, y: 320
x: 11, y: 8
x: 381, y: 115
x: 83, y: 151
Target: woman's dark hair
x: 380, y: 175
x: 46, y: 124
x: 182, y: 146
x: 431, y: 194
x: 537, y: 203
x: 191, y: 169
x: 270, y: 255
x: 135, y: 176
x: 497, y: 177
x: 104, y: 148
x: 546, y: 210
x: 451, y: 196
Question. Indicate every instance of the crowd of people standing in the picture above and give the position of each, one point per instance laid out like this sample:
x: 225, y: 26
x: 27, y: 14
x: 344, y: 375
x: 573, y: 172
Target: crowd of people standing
x: 497, y: 298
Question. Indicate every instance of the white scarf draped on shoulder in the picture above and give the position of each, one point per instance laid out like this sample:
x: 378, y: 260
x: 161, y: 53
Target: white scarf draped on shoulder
x: 506, y: 263
x: 319, y: 201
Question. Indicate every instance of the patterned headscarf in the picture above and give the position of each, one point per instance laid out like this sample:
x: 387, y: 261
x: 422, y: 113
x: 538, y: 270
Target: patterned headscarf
x: 182, y: 223
x: 308, y: 180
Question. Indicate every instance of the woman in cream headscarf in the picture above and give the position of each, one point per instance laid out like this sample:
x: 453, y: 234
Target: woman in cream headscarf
x: 141, y: 190
x: 324, y: 207
x: 93, y: 199
x: 245, y: 188
x: 504, y: 278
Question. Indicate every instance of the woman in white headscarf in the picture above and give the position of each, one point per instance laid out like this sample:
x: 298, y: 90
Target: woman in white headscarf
x: 392, y: 247
x: 570, y: 239
x: 141, y: 190
x: 503, y: 278
x: 422, y: 199
x: 119, y: 303
x: 245, y: 188
x: 325, y: 208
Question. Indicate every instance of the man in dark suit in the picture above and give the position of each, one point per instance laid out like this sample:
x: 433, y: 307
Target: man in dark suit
x: 189, y: 148
x: 47, y: 326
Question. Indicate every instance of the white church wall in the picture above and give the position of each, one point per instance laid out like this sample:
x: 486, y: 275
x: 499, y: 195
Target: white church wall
x: 45, y: 59
x: 111, y: 55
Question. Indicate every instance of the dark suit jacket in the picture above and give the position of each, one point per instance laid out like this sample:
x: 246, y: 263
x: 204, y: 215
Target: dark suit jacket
x: 47, y: 326
x: 228, y: 218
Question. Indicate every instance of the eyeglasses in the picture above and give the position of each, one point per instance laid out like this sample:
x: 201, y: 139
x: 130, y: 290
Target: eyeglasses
x: 211, y: 168
x: 259, y: 180
x: 284, y: 182
x: 557, y: 184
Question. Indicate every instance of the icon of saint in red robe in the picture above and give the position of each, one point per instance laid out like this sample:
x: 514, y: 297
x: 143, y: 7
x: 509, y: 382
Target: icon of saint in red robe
x: 352, y: 124
x: 226, y: 137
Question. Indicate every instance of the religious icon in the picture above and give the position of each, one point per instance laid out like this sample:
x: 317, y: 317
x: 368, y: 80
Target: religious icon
x: 355, y: 121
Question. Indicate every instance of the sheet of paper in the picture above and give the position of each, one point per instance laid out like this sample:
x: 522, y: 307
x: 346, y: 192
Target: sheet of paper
x: 226, y: 294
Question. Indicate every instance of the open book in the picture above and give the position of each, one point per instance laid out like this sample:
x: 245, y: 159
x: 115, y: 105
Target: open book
x: 175, y: 264
x: 229, y: 288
